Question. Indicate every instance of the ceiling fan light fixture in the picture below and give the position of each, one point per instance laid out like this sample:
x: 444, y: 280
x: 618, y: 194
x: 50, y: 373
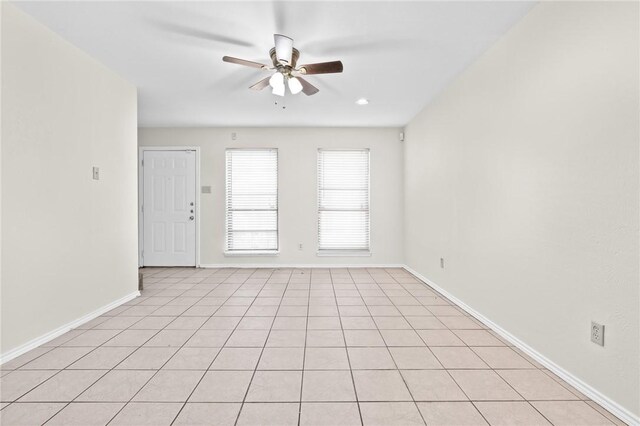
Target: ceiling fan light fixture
x: 284, y: 48
x: 278, y: 90
x: 294, y: 85
x: 277, y: 84
x: 276, y: 80
x: 362, y: 101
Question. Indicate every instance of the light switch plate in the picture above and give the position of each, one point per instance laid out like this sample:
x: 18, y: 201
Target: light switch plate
x: 96, y: 173
x: 206, y: 190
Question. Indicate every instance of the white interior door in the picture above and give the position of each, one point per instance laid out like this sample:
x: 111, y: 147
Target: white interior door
x: 169, y: 208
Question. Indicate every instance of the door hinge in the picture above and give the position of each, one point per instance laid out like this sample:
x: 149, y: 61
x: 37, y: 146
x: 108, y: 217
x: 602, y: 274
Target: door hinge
x: 142, y: 163
x: 142, y: 208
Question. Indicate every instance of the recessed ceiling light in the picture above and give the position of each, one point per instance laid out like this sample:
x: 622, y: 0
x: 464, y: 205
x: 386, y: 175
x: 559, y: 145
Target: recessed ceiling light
x: 362, y: 101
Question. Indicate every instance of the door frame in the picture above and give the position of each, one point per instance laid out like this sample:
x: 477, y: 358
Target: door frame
x: 141, y: 150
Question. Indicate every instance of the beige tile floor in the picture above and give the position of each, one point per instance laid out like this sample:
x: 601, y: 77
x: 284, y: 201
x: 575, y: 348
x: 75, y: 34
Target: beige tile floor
x: 286, y: 347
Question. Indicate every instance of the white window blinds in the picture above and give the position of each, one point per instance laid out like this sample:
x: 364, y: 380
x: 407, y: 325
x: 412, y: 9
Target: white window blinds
x: 343, y: 200
x: 252, y: 200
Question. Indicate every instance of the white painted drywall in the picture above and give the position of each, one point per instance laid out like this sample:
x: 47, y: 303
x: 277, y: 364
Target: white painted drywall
x: 523, y: 175
x: 69, y: 243
x: 297, y: 169
x: 1, y: 13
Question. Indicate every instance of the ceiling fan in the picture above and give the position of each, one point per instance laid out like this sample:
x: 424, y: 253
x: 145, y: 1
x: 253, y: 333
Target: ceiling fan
x: 285, y: 57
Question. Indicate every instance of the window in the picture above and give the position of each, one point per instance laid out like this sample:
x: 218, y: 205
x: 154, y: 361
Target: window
x: 343, y: 201
x: 252, y: 201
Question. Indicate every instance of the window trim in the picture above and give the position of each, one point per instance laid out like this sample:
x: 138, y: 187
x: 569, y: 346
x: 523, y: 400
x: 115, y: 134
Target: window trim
x: 251, y: 252
x: 343, y: 252
x: 240, y: 253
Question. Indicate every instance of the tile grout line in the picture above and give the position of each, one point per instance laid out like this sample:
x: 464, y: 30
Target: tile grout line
x: 164, y: 328
x: 353, y: 380
x: 445, y: 369
x: 246, y: 393
x: 184, y: 404
x: 439, y: 361
x: 304, y: 352
x: 386, y: 345
x: 490, y: 368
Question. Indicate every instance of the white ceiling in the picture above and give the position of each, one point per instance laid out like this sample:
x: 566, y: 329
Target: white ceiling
x: 397, y: 54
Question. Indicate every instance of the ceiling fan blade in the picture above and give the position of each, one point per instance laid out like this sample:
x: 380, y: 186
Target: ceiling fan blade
x: 308, y: 88
x: 361, y: 44
x: 261, y: 84
x: 321, y: 68
x: 284, y: 48
x: 200, y: 34
x: 244, y: 62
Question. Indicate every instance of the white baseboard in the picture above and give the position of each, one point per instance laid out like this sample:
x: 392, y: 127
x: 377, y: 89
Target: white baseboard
x: 299, y: 265
x: 32, y: 344
x: 595, y: 395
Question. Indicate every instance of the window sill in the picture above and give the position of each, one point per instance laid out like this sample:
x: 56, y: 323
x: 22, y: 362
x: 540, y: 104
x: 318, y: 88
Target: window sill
x: 344, y: 253
x: 252, y: 253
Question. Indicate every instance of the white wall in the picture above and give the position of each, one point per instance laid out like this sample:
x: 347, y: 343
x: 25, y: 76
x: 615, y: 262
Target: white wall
x: 297, y: 168
x: 1, y: 19
x: 523, y: 175
x: 69, y: 243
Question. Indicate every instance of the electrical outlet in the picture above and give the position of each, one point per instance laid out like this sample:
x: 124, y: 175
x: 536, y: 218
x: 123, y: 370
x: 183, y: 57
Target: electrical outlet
x: 442, y: 262
x: 96, y: 173
x: 299, y: 246
x: 597, y: 333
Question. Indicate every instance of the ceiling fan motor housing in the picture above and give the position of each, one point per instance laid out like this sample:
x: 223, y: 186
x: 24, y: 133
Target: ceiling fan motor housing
x: 283, y: 67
